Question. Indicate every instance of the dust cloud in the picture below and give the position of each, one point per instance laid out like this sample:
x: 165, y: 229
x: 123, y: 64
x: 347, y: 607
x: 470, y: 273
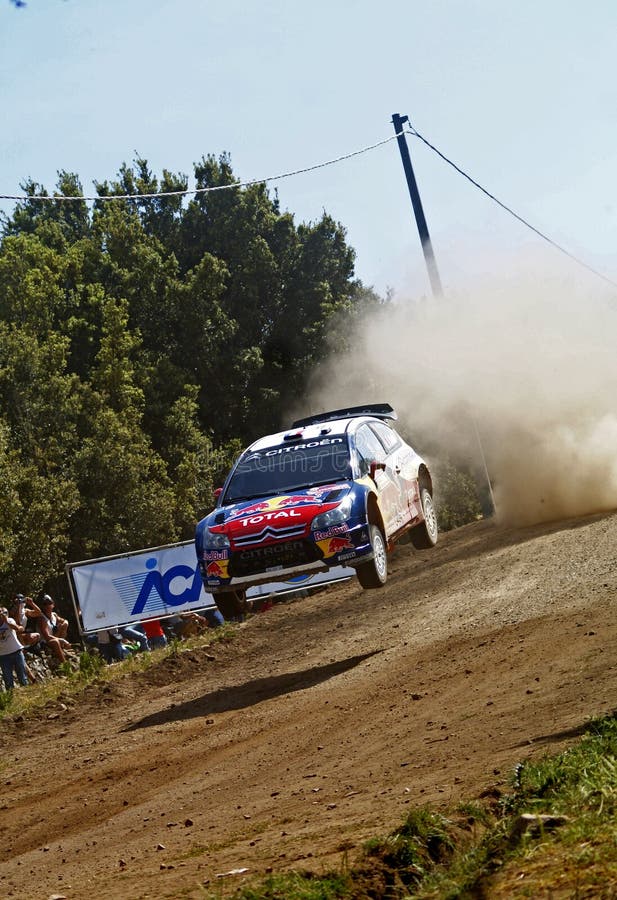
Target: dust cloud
x: 521, y: 372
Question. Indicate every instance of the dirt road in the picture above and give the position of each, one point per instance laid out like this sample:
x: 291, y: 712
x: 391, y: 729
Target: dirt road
x: 320, y: 723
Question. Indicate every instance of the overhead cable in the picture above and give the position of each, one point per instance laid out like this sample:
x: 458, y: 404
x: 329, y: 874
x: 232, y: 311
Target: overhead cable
x: 205, y: 190
x: 537, y: 231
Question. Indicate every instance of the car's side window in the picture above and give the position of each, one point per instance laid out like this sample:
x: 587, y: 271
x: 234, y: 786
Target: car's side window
x: 388, y: 437
x: 369, y: 448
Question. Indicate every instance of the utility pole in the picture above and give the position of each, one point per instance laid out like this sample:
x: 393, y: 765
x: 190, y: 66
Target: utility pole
x: 425, y: 238
x: 488, y: 506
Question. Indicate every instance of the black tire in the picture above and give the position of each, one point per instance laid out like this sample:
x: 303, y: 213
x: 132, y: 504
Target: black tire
x: 424, y: 536
x: 373, y: 574
x: 232, y: 605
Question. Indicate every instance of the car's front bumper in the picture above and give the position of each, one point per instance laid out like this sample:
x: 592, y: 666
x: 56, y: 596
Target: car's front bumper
x: 346, y: 545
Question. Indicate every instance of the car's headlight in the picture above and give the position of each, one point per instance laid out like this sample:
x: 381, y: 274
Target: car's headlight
x: 334, y: 516
x: 214, y: 539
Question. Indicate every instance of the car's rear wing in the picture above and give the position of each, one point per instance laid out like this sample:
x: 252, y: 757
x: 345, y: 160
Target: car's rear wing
x: 378, y: 410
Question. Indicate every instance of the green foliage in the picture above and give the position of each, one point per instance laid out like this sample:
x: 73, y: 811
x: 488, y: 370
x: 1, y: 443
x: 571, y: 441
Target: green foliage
x: 10, y: 505
x: 423, y: 841
x: 582, y: 779
x: 300, y: 887
x: 142, y: 342
x: 456, y: 499
x: 90, y: 665
x: 6, y: 700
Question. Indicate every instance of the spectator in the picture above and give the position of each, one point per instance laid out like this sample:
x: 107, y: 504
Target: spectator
x: 25, y: 612
x: 154, y: 632
x: 136, y: 635
x: 11, y: 652
x: 214, y: 617
x: 191, y: 623
x: 111, y: 648
x: 53, y: 629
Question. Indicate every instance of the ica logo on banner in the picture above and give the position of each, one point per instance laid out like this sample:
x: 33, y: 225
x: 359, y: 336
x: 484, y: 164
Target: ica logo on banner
x: 155, y: 590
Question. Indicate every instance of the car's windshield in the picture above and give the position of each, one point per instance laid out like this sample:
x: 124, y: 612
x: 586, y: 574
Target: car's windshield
x: 291, y: 467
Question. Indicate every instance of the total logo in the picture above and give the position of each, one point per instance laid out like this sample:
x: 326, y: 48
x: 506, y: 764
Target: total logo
x: 267, y: 517
x: 157, y: 590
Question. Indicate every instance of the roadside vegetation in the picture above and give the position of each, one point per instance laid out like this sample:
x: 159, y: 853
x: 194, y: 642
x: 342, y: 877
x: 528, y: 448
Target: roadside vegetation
x: 70, y: 681
x: 142, y: 344
x: 552, y: 834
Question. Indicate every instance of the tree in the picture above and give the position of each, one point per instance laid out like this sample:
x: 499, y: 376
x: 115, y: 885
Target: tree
x: 142, y: 341
x: 71, y: 216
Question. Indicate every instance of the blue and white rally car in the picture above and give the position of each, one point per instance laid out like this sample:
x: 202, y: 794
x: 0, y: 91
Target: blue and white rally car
x: 338, y: 488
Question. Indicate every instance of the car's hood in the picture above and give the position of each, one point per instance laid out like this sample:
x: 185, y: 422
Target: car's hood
x: 276, y: 518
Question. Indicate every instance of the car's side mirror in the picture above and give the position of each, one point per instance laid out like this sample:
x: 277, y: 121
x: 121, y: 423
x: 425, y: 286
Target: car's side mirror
x: 376, y: 467
x: 217, y: 494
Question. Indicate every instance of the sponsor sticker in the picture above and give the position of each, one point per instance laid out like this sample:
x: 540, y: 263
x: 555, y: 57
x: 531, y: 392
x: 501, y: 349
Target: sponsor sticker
x: 210, y: 555
x: 330, y: 532
x: 350, y: 555
x: 294, y: 447
x: 336, y: 544
x: 267, y: 517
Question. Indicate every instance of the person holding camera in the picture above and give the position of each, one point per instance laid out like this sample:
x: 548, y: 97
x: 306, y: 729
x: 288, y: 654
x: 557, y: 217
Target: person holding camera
x: 11, y: 652
x: 25, y: 612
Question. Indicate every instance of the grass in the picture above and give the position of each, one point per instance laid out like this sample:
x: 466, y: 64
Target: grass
x: 68, y: 683
x: 296, y: 887
x: 552, y: 835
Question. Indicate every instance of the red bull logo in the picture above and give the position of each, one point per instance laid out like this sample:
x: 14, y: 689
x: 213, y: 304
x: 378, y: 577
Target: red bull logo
x: 214, y: 570
x: 332, y: 546
x: 337, y: 544
x: 252, y: 509
x: 297, y: 498
x: 210, y: 555
x: 274, y: 504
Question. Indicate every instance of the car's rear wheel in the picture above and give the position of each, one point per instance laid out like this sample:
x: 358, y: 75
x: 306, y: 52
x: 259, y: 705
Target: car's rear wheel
x: 232, y: 605
x: 373, y: 574
x: 424, y: 536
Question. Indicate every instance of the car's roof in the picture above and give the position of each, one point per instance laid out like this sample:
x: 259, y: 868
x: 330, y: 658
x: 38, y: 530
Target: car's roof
x: 320, y: 431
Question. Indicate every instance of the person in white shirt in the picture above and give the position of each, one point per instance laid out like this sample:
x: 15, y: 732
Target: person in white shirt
x: 11, y: 652
x: 24, y: 609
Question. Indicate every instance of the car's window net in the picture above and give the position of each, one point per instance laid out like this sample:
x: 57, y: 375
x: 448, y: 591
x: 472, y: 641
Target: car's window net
x: 290, y: 467
x: 387, y: 436
x: 368, y: 445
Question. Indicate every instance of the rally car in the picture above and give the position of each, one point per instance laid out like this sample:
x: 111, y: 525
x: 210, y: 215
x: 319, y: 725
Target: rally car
x: 338, y: 488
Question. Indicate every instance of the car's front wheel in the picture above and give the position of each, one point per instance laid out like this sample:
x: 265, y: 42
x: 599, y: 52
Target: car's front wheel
x: 424, y: 536
x: 373, y: 574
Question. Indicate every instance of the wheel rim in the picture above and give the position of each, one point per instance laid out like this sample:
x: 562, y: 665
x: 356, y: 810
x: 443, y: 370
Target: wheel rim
x: 379, y: 551
x: 430, y: 516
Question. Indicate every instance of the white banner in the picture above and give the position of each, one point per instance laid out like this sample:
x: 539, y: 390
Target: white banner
x: 162, y: 581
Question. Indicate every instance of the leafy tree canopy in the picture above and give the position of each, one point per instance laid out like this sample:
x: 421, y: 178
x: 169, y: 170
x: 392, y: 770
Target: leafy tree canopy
x: 144, y: 341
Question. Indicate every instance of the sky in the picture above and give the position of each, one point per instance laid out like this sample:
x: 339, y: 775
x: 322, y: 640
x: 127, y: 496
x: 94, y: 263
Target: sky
x: 522, y: 96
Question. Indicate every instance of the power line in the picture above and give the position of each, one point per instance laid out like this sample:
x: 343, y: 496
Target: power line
x: 206, y: 190
x: 241, y: 184
x: 537, y: 231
